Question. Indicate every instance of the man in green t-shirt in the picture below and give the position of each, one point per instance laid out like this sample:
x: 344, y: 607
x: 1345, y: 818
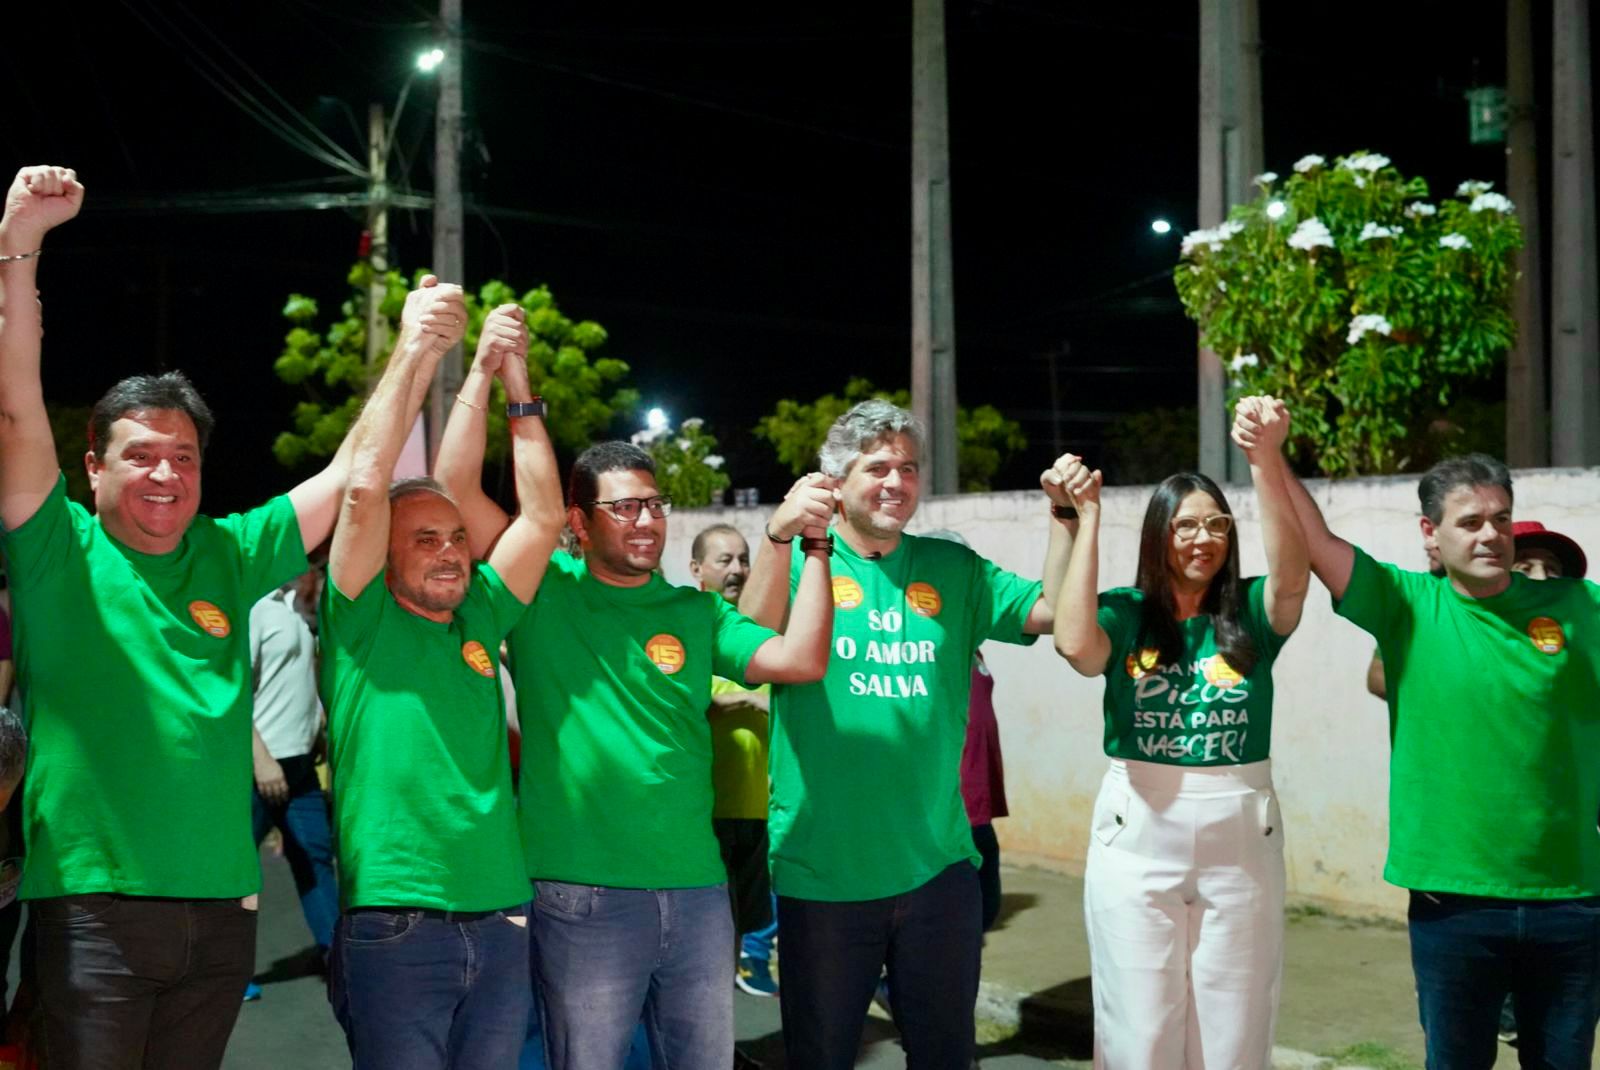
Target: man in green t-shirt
x: 872, y: 855
x: 430, y: 962
x: 613, y: 667
x: 1494, y: 719
x: 132, y: 648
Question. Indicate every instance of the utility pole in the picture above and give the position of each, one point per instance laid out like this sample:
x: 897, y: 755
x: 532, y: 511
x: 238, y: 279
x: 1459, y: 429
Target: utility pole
x: 1231, y: 156
x: 1527, y: 412
x: 448, y: 256
x: 1575, y: 338
x: 933, y: 343
x: 377, y: 238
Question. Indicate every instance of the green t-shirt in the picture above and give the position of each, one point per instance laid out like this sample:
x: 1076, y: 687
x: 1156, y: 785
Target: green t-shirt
x: 612, y: 688
x: 739, y: 753
x: 423, y: 808
x: 1494, y: 719
x: 866, y: 763
x: 137, y: 694
x: 1200, y: 711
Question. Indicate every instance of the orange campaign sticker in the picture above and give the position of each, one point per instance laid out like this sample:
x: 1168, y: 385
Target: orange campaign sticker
x: 1142, y: 662
x: 1219, y: 673
x: 212, y: 620
x: 473, y: 654
x: 1547, y: 635
x: 924, y: 600
x: 847, y: 592
x: 666, y: 652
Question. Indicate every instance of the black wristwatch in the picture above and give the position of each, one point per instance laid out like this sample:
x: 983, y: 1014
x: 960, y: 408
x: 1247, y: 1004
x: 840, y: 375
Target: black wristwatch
x: 536, y: 407
x: 825, y: 544
x: 1064, y: 512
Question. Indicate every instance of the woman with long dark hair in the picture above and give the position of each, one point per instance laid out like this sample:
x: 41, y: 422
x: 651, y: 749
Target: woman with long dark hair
x: 1184, y: 885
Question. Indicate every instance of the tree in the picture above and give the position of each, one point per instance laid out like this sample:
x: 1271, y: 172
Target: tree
x: 1346, y: 292
x: 688, y: 470
x: 584, y: 392
x: 985, y: 438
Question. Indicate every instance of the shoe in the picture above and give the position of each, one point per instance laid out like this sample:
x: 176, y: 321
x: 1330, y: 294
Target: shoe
x: 252, y: 992
x: 1507, y: 1036
x: 741, y: 1061
x: 755, y: 977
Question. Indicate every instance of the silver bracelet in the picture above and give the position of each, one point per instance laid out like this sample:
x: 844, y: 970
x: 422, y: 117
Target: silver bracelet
x: 21, y: 256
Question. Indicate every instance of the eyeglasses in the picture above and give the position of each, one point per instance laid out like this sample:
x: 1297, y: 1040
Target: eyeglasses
x: 1187, y: 528
x: 627, y: 509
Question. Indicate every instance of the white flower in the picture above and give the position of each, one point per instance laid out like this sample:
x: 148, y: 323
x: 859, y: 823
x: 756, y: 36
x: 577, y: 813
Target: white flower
x: 672, y: 469
x: 1418, y: 209
x: 1496, y: 202
x: 1229, y: 228
x: 1365, y: 161
x: 1373, y: 230
x: 713, y: 461
x: 1310, y: 234
x: 1361, y: 183
x: 1222, y: 287
x: 1455, y: 241
x: 1471, y: 188
x: 1243, y: 361
x: 1266, y: 178
x: 684, y: 444
x: 693, y: 423
x: 1306, y: 163
x: 1361, y: 325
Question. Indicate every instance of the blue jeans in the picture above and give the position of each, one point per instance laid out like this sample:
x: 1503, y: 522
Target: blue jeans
x: 607, y: 955
x: 833, y: 953
x: 758, y: 944
x: 1468, y: 952
x: 533, y: 1048
x: 417, y: 990
x: 307, y: 845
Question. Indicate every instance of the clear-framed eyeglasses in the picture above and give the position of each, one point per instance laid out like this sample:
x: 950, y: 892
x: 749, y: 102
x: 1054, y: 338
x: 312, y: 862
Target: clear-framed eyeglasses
x: 1187, y: 528
x: 627, y: 509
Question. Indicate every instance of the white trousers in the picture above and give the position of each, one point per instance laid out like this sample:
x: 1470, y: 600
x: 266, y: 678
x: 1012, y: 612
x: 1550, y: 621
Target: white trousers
x: 1183, y: 895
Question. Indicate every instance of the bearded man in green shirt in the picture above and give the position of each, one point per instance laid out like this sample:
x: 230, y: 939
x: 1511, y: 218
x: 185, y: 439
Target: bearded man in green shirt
x: 1494, y: 719
x: 872, y: 855
x: 131, y: 644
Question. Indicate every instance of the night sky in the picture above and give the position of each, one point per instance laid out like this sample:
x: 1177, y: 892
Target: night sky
x: 724, y: 188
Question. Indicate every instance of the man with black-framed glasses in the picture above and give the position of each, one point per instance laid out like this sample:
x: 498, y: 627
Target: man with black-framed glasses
x: 613, y: 668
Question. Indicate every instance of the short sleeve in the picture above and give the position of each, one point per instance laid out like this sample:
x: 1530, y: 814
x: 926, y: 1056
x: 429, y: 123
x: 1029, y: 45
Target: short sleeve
x: 1254, y: 611
x: 735, y: 638
x: 1003, y: 601
x: 41, y: 544
x: 1118, y: 617
x: 270, y: 551
x: 505, y: 608
x: 1374, y: 598
x: 351, y: 623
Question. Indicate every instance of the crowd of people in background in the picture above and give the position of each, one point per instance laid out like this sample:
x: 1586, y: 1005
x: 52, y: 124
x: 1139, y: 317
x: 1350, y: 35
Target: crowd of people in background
x: 801, y: 751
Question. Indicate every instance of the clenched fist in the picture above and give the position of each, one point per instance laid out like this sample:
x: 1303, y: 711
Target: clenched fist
x: 40, y: 199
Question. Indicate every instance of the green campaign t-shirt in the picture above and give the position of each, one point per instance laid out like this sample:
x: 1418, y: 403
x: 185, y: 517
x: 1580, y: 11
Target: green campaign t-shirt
x: 137, y: 690
x: 1494, y: 719
x: 739, y: 752
x: 866, y: 763
x: 1200, y: 711
x: 612, y: 688
x: 423, y: 808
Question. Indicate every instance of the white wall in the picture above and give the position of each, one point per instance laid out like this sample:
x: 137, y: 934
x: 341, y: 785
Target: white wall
x: 1330, y: 738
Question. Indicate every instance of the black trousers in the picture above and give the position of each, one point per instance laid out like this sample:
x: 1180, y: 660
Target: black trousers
x: 133, y: 983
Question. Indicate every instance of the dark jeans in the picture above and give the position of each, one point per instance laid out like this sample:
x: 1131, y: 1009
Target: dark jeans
x: 307, y: 844
x: 419, y: 990
x: 930, y: 938
x: 1468, y: 952
x: 131, y: 983
x: 988, y: 845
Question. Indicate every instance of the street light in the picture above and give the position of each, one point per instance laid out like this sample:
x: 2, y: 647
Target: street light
x: 1161, y: 226
x: 430, y: 59
x: 656, y: 420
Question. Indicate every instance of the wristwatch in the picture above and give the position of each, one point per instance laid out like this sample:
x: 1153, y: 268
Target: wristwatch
x: 1064, y: 512
x: 536, y: 407
x: 825, y: 544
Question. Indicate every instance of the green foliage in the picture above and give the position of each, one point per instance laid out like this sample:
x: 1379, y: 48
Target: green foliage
x: 985, y: 438
x: 1148, y: 446
x: 1362, y: 305
x: 584, y: 392
x: 688, y: 468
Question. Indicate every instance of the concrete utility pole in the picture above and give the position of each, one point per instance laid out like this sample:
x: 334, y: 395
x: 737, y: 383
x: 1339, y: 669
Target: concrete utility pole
x: 448, y: 256
x: 1575, y: 348
x: 1231, y: 154
x: 933, y: 341
x: 377, y: 237
x: 1527, y: 411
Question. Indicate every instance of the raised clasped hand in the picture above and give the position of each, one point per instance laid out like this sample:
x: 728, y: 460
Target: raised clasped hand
x: 436, y: 310
x: 806, y: 509
x: 1072, y: 482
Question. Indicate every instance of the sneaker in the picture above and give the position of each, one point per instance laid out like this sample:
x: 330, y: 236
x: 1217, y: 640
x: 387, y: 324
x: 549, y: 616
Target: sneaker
x: 252, y: 992
x: 755, y: 977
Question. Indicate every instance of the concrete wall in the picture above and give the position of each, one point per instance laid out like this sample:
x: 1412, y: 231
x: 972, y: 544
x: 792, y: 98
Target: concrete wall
x: 1330, y: 746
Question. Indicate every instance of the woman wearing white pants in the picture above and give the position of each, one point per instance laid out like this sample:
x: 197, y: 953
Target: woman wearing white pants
x: 1183, y: 890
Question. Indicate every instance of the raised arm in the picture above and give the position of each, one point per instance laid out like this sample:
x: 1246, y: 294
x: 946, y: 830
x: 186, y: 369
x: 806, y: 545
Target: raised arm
x: 40, y: 199
x: 800, y: 654
x: 1041, y: 619
x: 1261, y: 426
x: 433, y: 321
x: 1078, y: 635
x: 1331, y: 557
x: 808, y: 507
x: 459, y: 465
x: 521, y: 555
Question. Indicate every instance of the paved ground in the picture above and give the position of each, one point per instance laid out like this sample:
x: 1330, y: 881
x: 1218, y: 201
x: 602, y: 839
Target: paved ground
x: 1347, y: 990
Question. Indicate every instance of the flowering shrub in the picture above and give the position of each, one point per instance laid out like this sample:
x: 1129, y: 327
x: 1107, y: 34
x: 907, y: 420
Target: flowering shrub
x: 1345, y: 291
x: 687, y: 469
